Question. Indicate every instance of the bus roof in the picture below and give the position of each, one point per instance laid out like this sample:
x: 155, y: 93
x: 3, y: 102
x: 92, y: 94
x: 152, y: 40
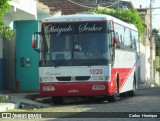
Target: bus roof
x: 81, y: 17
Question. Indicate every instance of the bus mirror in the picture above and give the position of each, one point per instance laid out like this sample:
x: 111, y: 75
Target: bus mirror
x: 34, y: 41
x: 116, y: 38
x: 110, y: 30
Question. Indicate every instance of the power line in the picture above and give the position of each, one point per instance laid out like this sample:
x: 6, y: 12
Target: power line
x: 93, y: 3
x: 112, y: 4
x: 153, y: 8
x: 151, y: 47
x: 80, y: 4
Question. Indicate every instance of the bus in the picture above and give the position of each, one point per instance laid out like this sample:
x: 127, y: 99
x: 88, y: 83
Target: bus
x: 87, y: 55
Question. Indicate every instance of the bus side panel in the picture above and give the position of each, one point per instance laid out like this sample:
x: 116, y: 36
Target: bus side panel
x: 119, y: 76
x: 124, y: 76
x: 112, y: 83
x: 126, y: 83
x: 125, y: 66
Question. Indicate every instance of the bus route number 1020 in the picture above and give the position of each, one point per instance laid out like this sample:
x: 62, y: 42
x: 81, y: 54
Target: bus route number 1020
x: 96, y: 71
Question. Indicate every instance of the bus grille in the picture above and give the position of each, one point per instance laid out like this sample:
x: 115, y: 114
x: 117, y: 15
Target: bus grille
x: 76, y: 78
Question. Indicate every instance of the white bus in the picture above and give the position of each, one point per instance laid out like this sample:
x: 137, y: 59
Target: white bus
x: 87, y: 55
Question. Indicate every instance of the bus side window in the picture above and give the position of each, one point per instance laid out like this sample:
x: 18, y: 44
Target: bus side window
x: 121, y: 42
x: 112, y: 49
x: 132, y: 45
x: 110, y: 46
x: 110, y: 41
x: 118, y: 45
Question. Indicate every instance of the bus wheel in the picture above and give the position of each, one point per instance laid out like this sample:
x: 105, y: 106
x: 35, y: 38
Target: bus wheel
x: 57, y: 100
x: 113, y: 98
x: 132, y: 92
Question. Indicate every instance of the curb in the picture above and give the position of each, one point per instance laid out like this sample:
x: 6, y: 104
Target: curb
x: 8, y: 106
x: 5, y: 99
x: 7, y: 102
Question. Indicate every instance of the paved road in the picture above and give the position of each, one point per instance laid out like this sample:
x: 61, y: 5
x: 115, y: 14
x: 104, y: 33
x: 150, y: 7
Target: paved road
x: 146, y: 100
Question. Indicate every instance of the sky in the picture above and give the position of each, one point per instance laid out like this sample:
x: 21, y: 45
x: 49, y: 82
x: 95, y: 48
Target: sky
x: 156, y: 12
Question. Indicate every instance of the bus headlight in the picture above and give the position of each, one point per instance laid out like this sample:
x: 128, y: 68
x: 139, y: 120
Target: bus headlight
x: 98, y: 87
x: 48, y: 79
x: 48, y: 88
x: 98, y: 78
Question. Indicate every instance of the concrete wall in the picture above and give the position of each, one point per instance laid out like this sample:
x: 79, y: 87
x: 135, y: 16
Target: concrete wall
x: 146, y: 58
x: 1, y: 48
x: 20, y: 12
x: 28, y: 6
x: 145, y: 64
x: 26, y: 75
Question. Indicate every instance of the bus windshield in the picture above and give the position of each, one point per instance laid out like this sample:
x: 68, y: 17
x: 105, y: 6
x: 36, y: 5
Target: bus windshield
x: 74, y: 48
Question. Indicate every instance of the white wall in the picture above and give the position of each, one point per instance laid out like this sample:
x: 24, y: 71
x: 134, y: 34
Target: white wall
x: 142, y: 64
x: 157, y: 79
x: 22, y: 10
x: 28, y: 6
x: 147, y: 56
x: 145, y: 65
x: 8, y: 19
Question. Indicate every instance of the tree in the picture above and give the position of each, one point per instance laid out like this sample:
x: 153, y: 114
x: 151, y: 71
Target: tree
x: 156, y: 35
x: 129, y: 16
x: 5, y: 31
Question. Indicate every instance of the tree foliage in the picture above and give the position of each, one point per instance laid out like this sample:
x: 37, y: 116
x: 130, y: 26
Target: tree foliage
x: 5, y: 31
x: 156, y: 35
x: 129, y: 16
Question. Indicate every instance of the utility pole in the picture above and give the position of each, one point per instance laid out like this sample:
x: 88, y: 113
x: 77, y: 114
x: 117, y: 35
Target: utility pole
x: 151, y: 45
x: 118, y: 3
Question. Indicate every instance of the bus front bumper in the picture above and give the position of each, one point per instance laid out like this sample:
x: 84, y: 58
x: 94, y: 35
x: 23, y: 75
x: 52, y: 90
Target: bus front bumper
x: 74, y: 89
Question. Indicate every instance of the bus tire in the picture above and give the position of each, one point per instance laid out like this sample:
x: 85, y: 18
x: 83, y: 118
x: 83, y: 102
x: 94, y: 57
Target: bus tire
x: 57, y: 100
x: 132, y: 92
x: 113, y: 98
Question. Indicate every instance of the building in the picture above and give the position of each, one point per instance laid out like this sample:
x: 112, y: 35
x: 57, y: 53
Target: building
x: 148, y: 71
x: 26, y: 58
x: 20, y: 67
x: 20, y: 10
x: 76, y: 6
